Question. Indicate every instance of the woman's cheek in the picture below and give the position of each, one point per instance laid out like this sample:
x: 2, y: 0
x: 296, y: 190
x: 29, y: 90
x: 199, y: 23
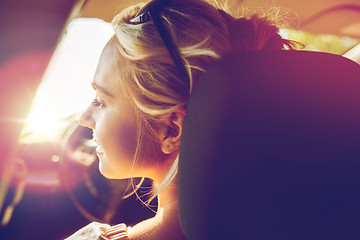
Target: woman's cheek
x: 126, y: 139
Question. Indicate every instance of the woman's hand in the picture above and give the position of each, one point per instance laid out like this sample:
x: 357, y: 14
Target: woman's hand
x: 92, y: 231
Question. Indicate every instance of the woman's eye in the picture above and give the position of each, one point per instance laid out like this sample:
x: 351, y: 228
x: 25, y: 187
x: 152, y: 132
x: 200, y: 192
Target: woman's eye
x: 98, y: 103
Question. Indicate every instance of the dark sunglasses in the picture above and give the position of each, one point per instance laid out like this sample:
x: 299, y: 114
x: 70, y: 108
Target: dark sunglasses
x: 151, y: 11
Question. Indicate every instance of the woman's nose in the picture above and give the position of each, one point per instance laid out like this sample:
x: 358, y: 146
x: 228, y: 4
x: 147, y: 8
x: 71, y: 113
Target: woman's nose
x: 86, y: 119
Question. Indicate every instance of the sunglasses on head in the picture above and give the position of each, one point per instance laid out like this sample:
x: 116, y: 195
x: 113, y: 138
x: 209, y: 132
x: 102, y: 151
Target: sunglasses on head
x: 151, y: 11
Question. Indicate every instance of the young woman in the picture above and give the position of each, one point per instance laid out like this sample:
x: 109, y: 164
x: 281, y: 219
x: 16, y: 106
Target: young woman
x: 143, y: 82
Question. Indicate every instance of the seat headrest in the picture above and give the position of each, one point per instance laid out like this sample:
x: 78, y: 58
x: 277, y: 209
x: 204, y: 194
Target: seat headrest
x: 271, y: 149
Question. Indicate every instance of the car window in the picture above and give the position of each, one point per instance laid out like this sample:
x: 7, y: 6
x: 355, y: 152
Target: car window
x: 322, y: 42
x: 65, y: 89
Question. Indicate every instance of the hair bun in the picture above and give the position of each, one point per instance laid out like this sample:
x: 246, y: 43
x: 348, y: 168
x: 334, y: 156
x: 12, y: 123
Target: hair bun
x: 239, y: 28
x: 253, y: 34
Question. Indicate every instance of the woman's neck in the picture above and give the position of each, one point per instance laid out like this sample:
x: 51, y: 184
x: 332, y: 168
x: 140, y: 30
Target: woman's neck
x: 168, y: 196
x: 165, y: 224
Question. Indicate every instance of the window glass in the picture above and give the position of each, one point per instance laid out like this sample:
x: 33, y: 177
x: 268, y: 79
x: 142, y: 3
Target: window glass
x: 322, y: 42
x: 66, y: 89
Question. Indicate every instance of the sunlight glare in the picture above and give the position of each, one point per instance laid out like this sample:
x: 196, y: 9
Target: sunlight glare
x: 65, y: 90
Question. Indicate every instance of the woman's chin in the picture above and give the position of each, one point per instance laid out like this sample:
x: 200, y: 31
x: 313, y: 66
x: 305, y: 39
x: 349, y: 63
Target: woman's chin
x: 109, y: 172
x: 105, y: 171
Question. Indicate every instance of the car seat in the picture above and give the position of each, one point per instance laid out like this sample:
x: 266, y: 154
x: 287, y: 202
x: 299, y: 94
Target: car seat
x: 271, y: 149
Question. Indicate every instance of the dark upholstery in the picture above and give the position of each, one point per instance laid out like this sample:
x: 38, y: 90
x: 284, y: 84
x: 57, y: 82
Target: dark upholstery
x: 271, y: 149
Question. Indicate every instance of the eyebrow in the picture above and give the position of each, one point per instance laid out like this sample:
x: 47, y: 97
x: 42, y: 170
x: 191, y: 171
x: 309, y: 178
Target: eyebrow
x: 101, y: 89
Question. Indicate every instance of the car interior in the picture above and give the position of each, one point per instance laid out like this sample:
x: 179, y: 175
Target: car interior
x: 282, y: 134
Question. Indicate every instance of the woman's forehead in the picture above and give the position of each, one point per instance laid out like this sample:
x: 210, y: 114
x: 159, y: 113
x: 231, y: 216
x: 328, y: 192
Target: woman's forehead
x: 112, y: 69
x: 110, y: 50
x: 105, y: 75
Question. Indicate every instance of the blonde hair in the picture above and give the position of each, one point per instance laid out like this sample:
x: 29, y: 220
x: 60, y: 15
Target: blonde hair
x: 202, y: 34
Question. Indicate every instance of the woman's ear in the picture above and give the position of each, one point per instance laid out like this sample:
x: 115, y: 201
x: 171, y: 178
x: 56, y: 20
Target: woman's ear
x: 171, y: 131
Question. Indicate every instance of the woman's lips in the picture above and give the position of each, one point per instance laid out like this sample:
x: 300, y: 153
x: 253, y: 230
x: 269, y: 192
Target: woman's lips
x: 99, y: 150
